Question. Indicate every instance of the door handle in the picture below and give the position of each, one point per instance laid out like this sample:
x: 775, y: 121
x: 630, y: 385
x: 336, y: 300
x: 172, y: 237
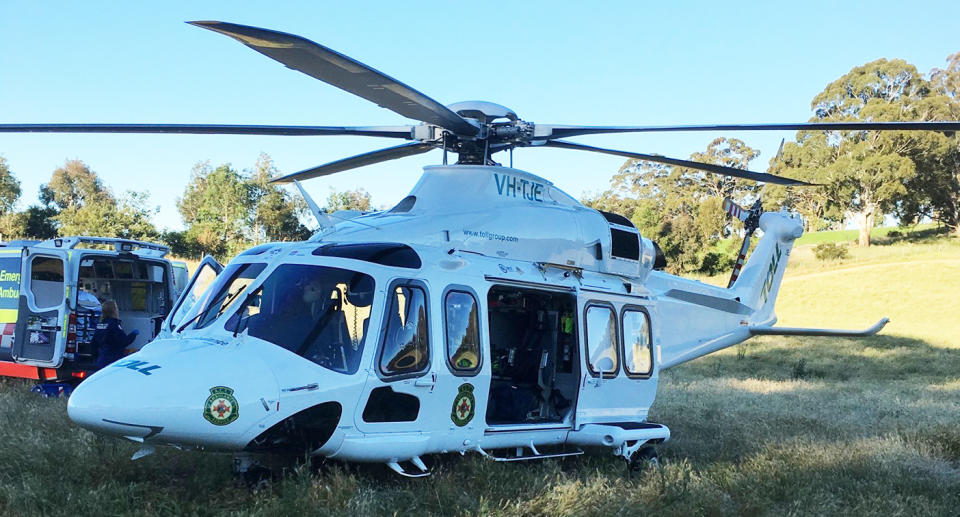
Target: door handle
x: 308, y: 387
x: 429, y: 381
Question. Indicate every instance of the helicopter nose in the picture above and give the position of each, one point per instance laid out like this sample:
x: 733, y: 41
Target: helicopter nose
x: 195, y: 394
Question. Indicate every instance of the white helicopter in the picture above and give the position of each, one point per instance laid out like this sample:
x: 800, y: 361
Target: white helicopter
x: 486, y: 312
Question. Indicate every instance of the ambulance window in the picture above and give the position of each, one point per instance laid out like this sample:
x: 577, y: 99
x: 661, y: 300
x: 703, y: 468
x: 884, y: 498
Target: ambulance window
x: 103, y: 268
x: 462, y: 332
x: 601, y: 340
x: 406, y: 345
x: 124, y: 269
x: 155, y: 273
x: 637, y: 356
x: 46, y: 281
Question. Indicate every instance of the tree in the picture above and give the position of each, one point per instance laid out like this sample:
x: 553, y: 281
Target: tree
x: 864, y: 173
x: 76, y: 202
x: 9, y: 188
x: 356, y: 199
x: 682, y: 209
x: 73, y: 186
x: 275, y: 214
x: 810, y: 161
x: 935, y: 190
x: 214, y: 207
x: 11, y: 224
x: 127, y: 218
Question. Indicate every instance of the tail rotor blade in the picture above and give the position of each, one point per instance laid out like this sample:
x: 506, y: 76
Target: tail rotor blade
x: 735, y: 210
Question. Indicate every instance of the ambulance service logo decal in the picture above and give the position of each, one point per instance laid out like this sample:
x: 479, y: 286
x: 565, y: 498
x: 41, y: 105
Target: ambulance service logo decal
x: 221, y: 407
x: 463, y: 406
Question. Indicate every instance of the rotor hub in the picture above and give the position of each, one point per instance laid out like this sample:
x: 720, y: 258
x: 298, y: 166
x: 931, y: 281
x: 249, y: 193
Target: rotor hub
x: 482, y: 111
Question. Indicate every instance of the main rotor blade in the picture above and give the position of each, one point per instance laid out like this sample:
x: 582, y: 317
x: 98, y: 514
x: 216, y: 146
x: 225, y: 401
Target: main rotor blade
x: 548, y: 131
x: 213, y: 129
x: 708, y: 167
x: 381, y: 155
x: 345, y: 73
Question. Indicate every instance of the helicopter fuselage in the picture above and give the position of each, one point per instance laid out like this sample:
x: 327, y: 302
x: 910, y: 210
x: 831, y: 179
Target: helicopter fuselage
x: 487, y: 311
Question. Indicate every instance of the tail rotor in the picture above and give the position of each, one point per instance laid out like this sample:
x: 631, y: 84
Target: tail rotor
x: 751, y: 220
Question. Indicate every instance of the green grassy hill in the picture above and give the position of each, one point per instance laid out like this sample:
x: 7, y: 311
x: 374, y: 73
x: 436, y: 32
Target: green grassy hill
x: 776, y: 426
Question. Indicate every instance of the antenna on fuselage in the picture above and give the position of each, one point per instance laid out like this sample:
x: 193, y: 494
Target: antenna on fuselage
x: 322, y: 218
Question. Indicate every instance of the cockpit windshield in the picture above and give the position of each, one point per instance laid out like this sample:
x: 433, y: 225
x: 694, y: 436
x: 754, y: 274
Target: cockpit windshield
x: 226, y: 289
x: 320, y: 313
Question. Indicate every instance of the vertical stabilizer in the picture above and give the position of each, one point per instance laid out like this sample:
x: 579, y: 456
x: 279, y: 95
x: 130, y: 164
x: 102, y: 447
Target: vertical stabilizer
x: 759, y: 282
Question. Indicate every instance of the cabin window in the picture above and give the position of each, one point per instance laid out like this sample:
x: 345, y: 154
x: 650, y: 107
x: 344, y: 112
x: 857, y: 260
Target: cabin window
x: 637, y: 354
x: 406, y: 344
x: 46, y: 281
x: 462, y: 332
x: 319, y: 313
x: 601, y: 340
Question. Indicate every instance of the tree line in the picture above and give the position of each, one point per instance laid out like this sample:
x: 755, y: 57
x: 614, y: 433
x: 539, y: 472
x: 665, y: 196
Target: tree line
x: 224, y: 210
x: 864, y: 176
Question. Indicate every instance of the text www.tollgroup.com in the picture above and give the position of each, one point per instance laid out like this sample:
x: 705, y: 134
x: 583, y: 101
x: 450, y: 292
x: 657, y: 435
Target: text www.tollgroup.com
x: 490, y: 236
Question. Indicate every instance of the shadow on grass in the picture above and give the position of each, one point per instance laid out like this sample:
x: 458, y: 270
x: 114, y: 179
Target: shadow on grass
x: 878, y: 358
x: 924, y: 236
x: 724, y: 409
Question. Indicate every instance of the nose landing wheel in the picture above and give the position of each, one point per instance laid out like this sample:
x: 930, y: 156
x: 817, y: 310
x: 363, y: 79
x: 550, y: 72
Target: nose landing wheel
x: 250, y: 473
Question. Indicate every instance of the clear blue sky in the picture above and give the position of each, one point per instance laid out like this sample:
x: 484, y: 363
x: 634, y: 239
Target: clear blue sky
x: 552, y: 62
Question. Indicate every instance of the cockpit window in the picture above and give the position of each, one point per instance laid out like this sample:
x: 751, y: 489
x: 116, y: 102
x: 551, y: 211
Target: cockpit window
x: 406, y: 345
x: 320, y: 313
x: 233, y: 281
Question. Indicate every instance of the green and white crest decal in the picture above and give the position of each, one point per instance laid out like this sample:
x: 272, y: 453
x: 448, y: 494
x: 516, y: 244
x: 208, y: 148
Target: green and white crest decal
x: 221, y: 406
x: 464, y: 406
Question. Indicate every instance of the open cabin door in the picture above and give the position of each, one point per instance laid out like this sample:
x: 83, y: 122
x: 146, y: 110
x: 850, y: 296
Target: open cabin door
x: 41, y: 328
x: 196, y: 289
x: 10, y: 264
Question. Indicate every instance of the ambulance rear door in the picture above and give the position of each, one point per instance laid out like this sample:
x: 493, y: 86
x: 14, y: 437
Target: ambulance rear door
x: 9, y: 299
x: 41, y: 330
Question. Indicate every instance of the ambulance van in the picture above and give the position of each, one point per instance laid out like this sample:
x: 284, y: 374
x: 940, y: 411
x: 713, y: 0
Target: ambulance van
x: 51, y: 293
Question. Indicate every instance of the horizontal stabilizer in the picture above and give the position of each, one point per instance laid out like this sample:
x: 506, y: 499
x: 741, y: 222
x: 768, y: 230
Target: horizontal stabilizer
x: 793, y: 331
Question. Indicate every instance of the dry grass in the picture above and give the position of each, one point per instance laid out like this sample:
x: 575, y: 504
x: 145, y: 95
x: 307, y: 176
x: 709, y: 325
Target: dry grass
x: 779, y: 426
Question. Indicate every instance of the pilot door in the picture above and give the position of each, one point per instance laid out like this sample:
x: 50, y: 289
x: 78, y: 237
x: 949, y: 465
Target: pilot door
x: 41, y: 333
x: 400, y: 389
x: 196, y: 289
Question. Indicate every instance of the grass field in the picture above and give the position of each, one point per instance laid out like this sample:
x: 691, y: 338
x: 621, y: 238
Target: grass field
x: 777, y: 426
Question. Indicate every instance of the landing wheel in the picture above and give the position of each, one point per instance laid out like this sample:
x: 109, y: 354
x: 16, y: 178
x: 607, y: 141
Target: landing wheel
x: 251, y: 474
x: 643, y: 458
x: 257, y: 478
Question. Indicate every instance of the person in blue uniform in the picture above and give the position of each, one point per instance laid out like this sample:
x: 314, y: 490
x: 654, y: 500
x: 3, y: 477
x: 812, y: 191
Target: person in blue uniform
x: 109, y: 340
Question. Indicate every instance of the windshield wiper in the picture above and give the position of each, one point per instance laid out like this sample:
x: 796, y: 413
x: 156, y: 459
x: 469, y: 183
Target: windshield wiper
x: 223, y: 307
x: 246, y: 301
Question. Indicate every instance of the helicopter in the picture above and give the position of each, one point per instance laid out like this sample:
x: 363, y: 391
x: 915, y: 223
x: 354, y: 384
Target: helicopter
x: 487, y: 312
